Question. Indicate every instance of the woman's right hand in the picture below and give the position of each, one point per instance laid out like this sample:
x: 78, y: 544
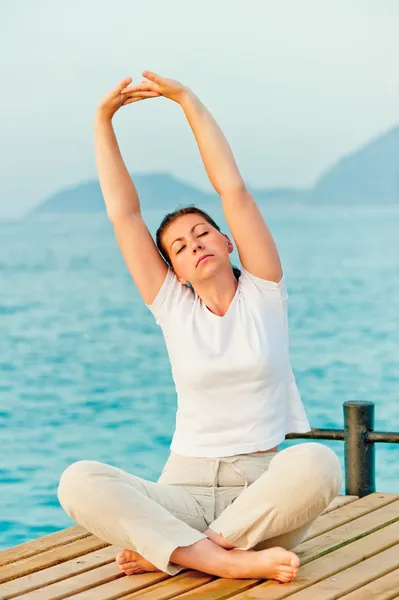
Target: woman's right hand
x: 114, y: 99
x: 151, y: 82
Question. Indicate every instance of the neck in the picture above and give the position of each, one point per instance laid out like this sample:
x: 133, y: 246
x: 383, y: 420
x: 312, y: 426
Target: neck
x: 218, y: 293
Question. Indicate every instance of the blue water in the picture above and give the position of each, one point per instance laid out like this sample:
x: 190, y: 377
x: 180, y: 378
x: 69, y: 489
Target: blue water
x: 84, y: 372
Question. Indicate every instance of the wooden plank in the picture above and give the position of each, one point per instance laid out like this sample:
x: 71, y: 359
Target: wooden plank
x: 90, y: 584
x: 76, y: 532
x: 219, y: 589
x: 346, y: 581
x: 331, y: 517
x: 174, y: 586
x: 339, y: 501
x: 50, y: 558
x: 47, y: 542
x: 64, y: 570
x: 329, y: 565
x: 125, y: 585
x: 384, y: 588
x: 347, y: 533
x: 356, y: 509
x: 70, y: 585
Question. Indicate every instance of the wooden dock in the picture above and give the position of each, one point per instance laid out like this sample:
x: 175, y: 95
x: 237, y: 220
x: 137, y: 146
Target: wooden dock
x: 352, y: 552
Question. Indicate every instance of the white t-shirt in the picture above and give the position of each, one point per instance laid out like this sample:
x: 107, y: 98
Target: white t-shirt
x: 236, y: 392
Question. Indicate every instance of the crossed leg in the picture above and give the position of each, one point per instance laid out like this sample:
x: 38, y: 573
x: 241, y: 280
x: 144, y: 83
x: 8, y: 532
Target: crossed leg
x: 276, y: 512
x: 279, y: 507
x: 147, y: 518
x: 170, y: 532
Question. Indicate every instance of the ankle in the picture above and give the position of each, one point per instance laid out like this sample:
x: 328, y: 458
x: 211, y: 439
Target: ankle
x: 206, y: 556
x: 240, y: 563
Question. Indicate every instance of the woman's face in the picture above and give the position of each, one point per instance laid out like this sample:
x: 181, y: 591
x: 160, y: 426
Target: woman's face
x: 190, y: 238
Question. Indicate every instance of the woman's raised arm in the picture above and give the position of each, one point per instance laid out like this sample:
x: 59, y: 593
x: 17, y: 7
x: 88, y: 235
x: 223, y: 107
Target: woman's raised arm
x: 255, y: 244
x: 138, y: 249
x: 119, y: 192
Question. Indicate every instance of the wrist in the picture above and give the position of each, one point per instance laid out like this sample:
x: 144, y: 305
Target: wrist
x: 102, y: 116
x: 186, y: 97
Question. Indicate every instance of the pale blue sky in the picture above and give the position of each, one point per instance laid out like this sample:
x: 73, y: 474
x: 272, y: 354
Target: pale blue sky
x: 294, y: 84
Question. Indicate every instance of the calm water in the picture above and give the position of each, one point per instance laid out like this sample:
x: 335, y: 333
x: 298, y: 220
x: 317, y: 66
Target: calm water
x: 84, y: 372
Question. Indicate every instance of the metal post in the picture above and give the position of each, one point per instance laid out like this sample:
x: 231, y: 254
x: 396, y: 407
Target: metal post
x: 359, y: 451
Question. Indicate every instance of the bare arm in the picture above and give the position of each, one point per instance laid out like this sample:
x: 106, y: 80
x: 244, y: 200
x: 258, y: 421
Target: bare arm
x: 255, y: 244
x: 119, y: 192
x: 138, y: 249
x: 215, y: 151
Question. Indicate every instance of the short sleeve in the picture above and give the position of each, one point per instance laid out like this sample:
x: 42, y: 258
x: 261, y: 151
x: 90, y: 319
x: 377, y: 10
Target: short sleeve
x: 173, y: 298
x: 270, y: 288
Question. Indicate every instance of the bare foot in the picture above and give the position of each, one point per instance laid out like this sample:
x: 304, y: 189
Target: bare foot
x: 273, y: 563
x: 131, y: 562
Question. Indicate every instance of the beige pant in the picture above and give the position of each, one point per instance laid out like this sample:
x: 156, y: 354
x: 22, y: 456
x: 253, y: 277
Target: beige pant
x: 254, y: 500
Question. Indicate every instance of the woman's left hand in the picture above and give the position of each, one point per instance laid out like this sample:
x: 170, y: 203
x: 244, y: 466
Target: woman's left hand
x: 151, y: 82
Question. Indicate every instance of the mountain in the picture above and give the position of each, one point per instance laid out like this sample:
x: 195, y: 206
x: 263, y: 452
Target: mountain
x: 369, y: 175
x: 155, y: 190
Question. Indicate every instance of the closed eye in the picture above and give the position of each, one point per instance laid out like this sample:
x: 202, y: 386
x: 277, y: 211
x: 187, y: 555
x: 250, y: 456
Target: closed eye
x: 180, y: 249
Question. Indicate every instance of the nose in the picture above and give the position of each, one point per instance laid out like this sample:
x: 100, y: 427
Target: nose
x: 197, y: 245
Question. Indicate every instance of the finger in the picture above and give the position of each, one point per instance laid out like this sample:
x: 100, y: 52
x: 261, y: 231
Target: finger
x: 129, y: 101
x: 131, y: 88
x: 122, y: 84
x: 141, y: 94
x: 139, y: 87
x: 152, y: 76
x: 137, y: 99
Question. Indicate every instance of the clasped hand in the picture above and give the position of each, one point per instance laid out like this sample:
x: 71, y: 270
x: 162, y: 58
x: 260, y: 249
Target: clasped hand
x: 151, y: 86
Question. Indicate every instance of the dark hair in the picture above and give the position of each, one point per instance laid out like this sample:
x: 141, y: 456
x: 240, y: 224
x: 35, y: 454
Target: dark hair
x: 170, y: 217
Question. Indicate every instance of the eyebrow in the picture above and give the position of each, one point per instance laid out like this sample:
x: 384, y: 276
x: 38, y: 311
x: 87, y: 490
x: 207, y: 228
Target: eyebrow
x: 191, y: 230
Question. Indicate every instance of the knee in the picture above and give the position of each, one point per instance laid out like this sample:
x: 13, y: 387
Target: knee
x: 324, y: 461
x: 316, y: 460
x: 75, y: 480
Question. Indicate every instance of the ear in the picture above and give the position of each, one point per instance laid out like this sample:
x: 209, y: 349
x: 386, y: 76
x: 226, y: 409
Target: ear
x: 180, y: 279
x: 230, y: 246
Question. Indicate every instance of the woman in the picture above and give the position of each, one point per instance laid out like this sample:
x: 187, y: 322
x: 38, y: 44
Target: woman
x: 228, y: 502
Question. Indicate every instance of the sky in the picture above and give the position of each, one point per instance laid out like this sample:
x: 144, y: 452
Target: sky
x: 294, y: 85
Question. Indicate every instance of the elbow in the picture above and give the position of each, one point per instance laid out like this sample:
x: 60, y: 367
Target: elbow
x: 238, y: 190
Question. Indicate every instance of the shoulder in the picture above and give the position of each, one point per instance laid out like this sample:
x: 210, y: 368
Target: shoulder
x: 171, y: 299
x: 252, y: 285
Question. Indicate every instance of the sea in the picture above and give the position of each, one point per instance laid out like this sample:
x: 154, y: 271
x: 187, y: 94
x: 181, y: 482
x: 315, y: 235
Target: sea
x: 84, y: 371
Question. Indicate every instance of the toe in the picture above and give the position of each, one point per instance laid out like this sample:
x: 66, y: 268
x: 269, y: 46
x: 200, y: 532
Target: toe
x: 295, y: 562
x: 285, y: 573
x: 128, y: 566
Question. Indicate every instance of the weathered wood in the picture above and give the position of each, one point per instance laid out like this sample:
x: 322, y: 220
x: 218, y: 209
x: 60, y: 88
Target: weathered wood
x: 352, y: 549
x: 64, y: 570
x: 50, y: 558
x: 122, y: 586
x: 104, y: 582
x: 173, y: 587
x: 53, y: 540
x: 347, y: 533
x: 338, y: 502
x: 351, y: 579
x: 356, y: 509
x: 329, y: 565
x: 384, y: 588
x: 220, y: 589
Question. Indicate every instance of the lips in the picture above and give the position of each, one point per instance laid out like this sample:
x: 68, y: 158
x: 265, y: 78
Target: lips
x: 202, y: 257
